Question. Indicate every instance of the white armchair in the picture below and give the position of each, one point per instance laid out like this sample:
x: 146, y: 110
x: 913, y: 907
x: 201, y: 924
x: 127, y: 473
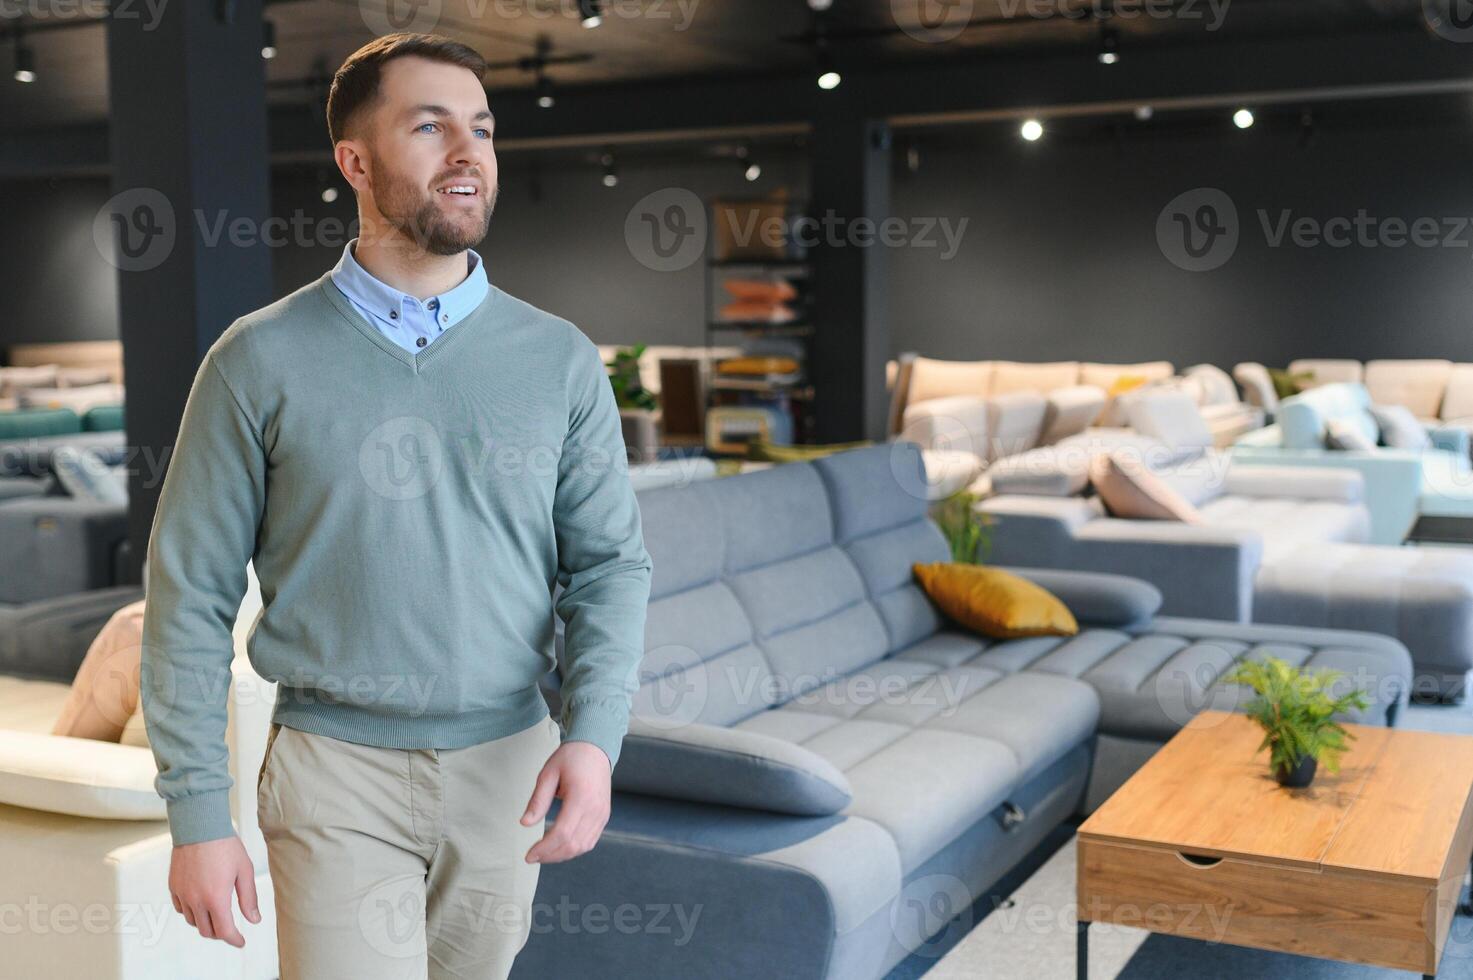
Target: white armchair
x: 86, y: 848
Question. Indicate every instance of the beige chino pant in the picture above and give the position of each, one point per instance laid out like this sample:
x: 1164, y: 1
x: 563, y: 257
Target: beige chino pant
x: 400, y: 863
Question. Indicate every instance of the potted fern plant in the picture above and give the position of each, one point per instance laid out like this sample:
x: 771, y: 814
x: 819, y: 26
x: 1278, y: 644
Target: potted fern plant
x: 1297, y: 710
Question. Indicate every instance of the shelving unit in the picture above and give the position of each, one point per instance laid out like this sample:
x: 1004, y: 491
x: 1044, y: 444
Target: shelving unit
x: 792, y: 396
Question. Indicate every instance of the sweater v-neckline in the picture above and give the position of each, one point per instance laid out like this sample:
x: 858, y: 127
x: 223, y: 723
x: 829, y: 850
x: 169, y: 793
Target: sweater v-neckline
x: 415, y: 361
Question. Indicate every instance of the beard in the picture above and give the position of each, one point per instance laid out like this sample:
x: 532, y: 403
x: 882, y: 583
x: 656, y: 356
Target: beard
x: 417, y: 213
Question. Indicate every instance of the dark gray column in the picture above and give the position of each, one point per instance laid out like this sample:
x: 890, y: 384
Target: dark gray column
x: 849, y: 181
x: 187, y: 139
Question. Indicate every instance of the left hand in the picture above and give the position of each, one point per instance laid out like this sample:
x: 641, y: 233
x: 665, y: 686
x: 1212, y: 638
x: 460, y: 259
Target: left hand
x: 578, y: 773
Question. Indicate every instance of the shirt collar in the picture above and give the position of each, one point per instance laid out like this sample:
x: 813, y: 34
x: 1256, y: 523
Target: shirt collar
x: 373, y: 293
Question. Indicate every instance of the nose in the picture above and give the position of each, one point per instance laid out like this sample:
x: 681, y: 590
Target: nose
x: 466, y: 149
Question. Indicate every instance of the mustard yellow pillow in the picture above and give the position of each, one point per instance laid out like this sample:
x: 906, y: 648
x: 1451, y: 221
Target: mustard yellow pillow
x: 993, y: 602
x: 1124, y: 383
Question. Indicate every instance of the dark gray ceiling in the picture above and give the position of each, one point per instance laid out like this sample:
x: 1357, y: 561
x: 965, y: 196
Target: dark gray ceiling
x: 649, y: 39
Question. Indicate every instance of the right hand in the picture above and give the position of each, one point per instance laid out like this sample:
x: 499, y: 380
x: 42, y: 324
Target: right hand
x: 201, y: 878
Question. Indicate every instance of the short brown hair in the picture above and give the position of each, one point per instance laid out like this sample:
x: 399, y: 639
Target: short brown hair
x: 355, y: 84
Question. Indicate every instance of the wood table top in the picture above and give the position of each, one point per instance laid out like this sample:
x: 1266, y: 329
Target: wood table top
x: 1393, y: 810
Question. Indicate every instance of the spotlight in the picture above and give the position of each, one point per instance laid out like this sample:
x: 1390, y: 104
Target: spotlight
x: 25, y: 61
x: 828, y: 76
x: 1031, y: 130
x: 751, y: 169
x: 1243, y: 118
x: 326, y: 189
x: 913, y: 158
x: 268, y: 39
x: 545, y: 99
x: 611, y: 175
x: 1144, y: 112
x: 329, y: 194
x: 590, y: 12
x: 1109, y: 53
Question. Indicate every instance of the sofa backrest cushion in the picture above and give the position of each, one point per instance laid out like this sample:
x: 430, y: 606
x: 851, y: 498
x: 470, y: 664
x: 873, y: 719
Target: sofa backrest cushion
x: 1010, y: 376
x: 1258, y: 385
x: 1171, y: 416
x: 952, y: 422
x: 1014, y: 423
x: 1416, y: 384
x: 932, y: 378
x: 1328, y: 370
x: 1457, y: 399
x: 1070, y: 411
x: 1213, y: 382
x: 1304, y: 418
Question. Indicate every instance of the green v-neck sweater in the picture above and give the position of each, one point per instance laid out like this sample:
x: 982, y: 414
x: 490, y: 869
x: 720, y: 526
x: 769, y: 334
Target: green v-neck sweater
x: 410, y: 516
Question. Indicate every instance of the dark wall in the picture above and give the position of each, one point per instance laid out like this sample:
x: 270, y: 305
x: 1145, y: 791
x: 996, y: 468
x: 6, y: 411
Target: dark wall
x: 1060, y: 258
x: 55, y: 282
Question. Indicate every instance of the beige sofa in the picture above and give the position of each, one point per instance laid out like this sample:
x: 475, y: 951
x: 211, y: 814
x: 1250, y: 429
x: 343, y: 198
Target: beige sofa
x: 1435, y: 390
x: 86, y: 848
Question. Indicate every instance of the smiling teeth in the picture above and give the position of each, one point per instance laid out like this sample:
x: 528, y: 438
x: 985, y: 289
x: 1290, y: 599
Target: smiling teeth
x: 458, y: 190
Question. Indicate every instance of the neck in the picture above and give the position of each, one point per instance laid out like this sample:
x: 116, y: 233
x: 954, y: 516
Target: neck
x: 396, y: 259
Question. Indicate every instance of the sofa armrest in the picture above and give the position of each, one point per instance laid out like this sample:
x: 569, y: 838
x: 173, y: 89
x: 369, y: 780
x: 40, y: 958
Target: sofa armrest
x: 1393, y: 481
x: 957, y: 422
x: 1450, y: 438
x: 1296, y: 482
x: 1098, y: 598
x: 731, y: 766
x: 83, y: 777
x: 1201, y: 571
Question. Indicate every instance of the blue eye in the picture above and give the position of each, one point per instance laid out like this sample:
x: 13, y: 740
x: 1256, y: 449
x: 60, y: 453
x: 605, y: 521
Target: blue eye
x: 423, y: 125
x: 486, y: 131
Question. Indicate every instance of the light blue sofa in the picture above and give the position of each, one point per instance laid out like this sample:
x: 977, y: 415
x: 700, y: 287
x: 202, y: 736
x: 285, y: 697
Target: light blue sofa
x: 1401, y: 484
x: 821, y: 770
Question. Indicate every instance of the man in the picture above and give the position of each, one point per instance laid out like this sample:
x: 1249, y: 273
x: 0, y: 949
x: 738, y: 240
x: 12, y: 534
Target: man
x: 415, y: 461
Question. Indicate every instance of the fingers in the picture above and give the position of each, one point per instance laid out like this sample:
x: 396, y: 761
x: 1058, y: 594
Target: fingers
x: 579, y: 825
x: 542, y: 795
x: 245, y: 890
x: 222, y: 923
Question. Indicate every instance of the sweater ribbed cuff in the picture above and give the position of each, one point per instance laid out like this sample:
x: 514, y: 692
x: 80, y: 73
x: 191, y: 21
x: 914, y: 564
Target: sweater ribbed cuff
x: 602, y: 722
x: 200, y: 817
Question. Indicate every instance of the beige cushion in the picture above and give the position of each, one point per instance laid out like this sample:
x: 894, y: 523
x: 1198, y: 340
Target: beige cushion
x: 78, y: 400
x: 1457, y: 398
x: 1011, y: 376
x: 1340, y: 434
x: 1258, y: 387
x: 1328, y: 370
x: 1129, y: 489
x: 1105, y: 375
x: 80, y: 776
x: 1168, y: 414
x: 16, y: 379
x: 1070, y: 411
x: 1416, y: 384
x: 930, y: 378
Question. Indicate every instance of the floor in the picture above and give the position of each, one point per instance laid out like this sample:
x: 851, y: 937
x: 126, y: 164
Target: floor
x: 1024, y: 928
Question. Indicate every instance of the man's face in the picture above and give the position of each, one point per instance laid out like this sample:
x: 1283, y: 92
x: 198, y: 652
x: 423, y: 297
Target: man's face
x: 431, y: 132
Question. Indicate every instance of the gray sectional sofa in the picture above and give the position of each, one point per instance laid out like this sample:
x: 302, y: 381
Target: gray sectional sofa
x: 1278, y: 544
x: 816, y: 753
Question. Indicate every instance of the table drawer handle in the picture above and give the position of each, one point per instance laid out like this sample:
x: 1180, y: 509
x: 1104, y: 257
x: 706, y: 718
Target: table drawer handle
x: 1198, y: 860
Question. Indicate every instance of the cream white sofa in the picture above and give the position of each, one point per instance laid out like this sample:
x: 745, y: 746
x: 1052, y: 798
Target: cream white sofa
x: 1437, y: 391
x: 85, y: 847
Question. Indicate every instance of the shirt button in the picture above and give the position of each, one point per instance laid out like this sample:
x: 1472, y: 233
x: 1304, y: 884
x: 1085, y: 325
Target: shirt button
x: 393, y: 314
x: 444, y: 317
x: 420, y: 341
x: 434, y: 304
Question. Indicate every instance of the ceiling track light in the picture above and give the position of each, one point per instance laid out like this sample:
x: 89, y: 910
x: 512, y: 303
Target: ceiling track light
x: 1109, y: 50
x: 326, y: 189
x: 545, y: 98
x: 1031, y: 130
x: 268, y: 39
x: 590, y: 13
x: 1243, y: 118
x: 751, y: 169
x: 611, y: 174
x: 25, y: 60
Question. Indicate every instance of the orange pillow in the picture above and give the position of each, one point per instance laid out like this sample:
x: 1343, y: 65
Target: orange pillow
x: 761, y: 312
x: 757, y: 365
x: 1124, y: 383
x: 761, y: 290
x: 994, y: 602
x: 1129, y: 489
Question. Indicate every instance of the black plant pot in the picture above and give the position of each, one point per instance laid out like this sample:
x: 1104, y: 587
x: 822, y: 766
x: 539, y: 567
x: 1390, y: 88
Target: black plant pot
x: 1298, y: 777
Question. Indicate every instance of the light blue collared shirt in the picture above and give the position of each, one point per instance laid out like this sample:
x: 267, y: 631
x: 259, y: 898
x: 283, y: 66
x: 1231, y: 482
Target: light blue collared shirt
x: 403, y: 318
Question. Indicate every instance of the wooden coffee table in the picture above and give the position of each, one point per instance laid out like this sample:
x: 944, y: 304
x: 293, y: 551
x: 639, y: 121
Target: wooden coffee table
x: 1365, y: 866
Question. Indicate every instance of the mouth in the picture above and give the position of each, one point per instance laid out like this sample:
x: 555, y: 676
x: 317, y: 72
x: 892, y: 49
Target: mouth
x: 460, y: 192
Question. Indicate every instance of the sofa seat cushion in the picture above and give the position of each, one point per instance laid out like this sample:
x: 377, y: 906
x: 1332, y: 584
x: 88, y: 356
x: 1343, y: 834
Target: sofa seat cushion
x: 930, y: 740
x: 1150, y: 681
x: 1288, y: 524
